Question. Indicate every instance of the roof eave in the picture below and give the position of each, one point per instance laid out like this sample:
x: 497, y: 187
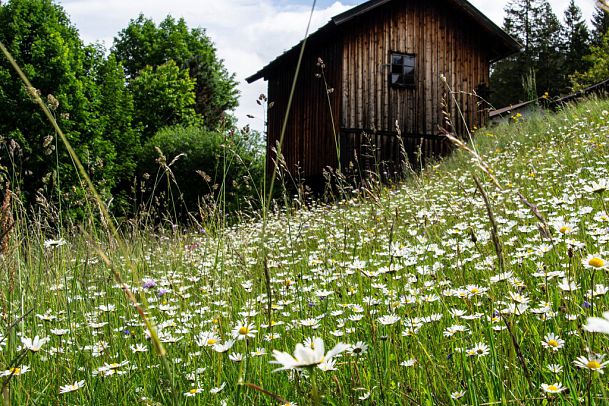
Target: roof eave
x: 311, y: 37
x: 357, y: 11
x: 510, y: 45
x: 501, y: 56
x: 255, y: 76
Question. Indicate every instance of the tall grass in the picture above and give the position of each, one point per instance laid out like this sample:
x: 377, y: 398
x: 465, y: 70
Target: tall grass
x: 468, y: 283
x: 410, y: 271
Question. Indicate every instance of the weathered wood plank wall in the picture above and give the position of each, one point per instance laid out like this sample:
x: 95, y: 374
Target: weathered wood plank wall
x: 309, y: 144
x: 443, y: 45
x: 357, y: 57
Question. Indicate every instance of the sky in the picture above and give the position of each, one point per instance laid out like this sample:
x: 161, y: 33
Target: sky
x: 247, y: 33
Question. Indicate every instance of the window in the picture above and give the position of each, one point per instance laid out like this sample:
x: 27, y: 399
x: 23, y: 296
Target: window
x: 402, y: 70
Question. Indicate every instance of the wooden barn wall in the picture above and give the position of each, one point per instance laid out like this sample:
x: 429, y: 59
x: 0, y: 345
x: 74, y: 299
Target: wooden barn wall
x: 444, y: 44
x: 309, y: 144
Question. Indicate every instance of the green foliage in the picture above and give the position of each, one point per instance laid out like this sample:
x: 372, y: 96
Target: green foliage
x: 144, y: 44
x: 548, y: 60
x: 116, y: 102
x: 600, y: 25
x: 196, y: 164
x: 576, y: 39
x: 163, y: 96
x: 85, y: 92
x: 599, y: 65
x: 108, y: 106
x: 409, y: 277
x: 536, y: 27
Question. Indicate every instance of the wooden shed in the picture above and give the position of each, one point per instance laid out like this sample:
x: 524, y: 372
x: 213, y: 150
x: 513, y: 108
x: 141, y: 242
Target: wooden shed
x: 383, y: 63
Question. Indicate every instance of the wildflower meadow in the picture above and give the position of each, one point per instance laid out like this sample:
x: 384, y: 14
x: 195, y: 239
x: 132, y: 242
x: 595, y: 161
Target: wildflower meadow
x: 480, y: 280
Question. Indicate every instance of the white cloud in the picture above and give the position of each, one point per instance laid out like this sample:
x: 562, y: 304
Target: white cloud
x: 248, y: 33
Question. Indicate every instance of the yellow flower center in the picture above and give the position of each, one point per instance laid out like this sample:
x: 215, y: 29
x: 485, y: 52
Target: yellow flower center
x: 212, y: 341
x: 215, y: 321
x: 596, y: 262
x: 15, y: 371
x: 553, y: 343
x: 192, y: 391
x: 552, y: 388
x: 564, y: 230
x: 474, y: 290
x: 244, y: 330
x: 592, y: 364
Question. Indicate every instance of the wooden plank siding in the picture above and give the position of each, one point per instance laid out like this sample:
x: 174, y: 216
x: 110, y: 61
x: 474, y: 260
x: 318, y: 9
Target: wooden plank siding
x: 309, y: 144
x: 447, y: 41
x: 443, y: 45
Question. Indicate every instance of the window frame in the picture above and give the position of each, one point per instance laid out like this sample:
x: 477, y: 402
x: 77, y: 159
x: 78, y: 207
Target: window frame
x: 392, y: 67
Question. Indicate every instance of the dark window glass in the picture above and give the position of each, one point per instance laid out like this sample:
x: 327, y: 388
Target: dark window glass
x: 402, y: 70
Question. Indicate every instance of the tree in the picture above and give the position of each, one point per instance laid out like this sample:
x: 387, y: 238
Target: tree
x: 86, y: 93
x: 547, y: 51
x: 536, y: 27
x: 508, y: 74
x: 116, y: 103
x: 576, y: 38
x: 598, y: 57
x: 163, y: 96
x: 48, y: 49
x: 144, y: 44
x: 600, y: 25
x: 599, y: 65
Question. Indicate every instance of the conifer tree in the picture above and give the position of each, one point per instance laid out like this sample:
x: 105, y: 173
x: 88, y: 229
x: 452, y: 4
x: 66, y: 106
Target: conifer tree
x: 600, y: 25
x: 548, y: 58
x: 506, y: 78
x: 536, y: 27
x: 576, y: 41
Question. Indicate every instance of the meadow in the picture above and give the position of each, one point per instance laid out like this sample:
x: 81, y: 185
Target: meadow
x: 468, y: 283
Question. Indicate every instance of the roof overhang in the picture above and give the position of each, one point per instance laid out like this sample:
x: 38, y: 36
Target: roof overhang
x: 504, y: 44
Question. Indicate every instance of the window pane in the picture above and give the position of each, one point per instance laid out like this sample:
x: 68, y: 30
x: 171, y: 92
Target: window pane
x: 402, y: 70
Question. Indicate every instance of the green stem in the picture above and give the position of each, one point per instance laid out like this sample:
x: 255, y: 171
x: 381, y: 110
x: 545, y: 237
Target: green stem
x: 315, y: 396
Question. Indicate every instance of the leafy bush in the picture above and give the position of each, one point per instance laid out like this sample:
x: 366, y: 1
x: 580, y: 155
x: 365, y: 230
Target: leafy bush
x: 191, y: 166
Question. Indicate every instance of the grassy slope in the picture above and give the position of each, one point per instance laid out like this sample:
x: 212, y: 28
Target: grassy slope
x: 421, y: 251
